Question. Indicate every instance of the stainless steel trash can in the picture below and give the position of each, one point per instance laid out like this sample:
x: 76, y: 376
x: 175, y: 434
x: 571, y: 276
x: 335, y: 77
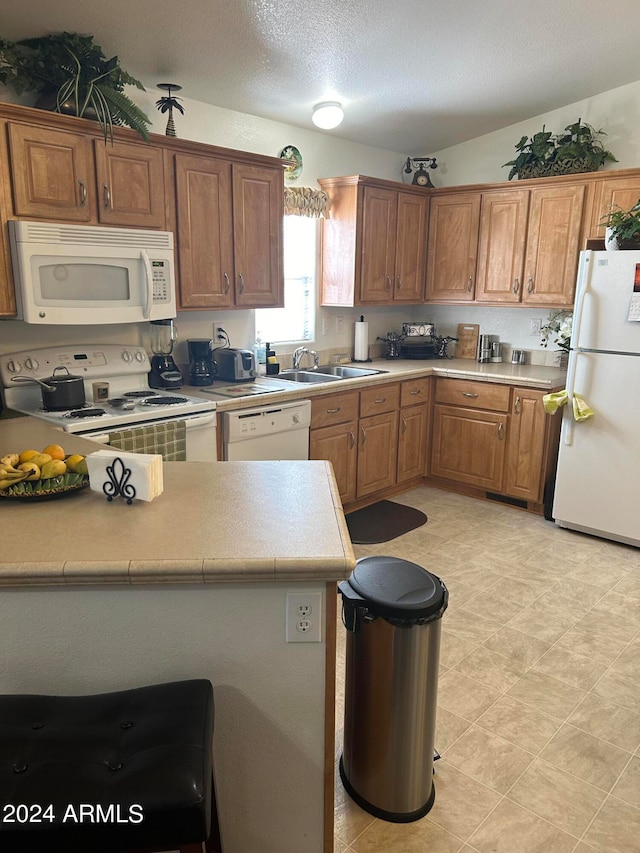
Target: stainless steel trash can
x: 392, y: 610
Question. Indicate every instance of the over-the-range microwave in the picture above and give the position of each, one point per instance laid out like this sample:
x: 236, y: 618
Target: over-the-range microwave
x: 88, y: 274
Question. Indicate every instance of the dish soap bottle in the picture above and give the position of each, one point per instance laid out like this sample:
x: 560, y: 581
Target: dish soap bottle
x: 260, y: 353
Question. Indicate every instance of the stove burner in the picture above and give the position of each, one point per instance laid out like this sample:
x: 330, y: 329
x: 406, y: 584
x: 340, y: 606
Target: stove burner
x: 58, y: 409
x: 85, y: 413
x: 137, y: 394
x: 163, y: 401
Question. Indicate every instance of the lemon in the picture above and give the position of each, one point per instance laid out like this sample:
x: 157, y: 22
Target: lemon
x: 73, y: 461
x: 34, y: 470
x: 54, y: 451
x: 27, y: 455
x: 53, y: 468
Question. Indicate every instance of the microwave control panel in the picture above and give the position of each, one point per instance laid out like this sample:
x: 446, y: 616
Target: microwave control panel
x: 161, y: 278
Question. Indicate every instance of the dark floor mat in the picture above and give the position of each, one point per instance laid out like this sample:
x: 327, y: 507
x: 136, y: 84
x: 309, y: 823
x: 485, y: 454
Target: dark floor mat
x: 382, y: 521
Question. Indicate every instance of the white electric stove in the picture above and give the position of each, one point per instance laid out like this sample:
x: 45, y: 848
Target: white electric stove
x: 130, y: 402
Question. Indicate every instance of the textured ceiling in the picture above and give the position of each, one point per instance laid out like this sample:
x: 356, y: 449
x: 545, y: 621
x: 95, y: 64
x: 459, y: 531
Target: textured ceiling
x: 414, y: 76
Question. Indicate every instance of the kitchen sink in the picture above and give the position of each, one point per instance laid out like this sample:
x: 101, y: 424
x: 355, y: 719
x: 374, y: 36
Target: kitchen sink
x: 345, y: 372
x: 312, y: 376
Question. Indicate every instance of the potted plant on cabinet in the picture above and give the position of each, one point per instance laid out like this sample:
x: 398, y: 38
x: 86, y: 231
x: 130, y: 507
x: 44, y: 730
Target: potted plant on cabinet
x: 72, y: 75
x: 578, y: 149
x: 622, y: 227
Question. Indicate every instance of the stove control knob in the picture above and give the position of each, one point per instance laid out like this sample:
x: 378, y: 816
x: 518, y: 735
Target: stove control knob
x: 14, y: 366
x: 126, y: 356
x: 140, y: 356
x: 31, y: 363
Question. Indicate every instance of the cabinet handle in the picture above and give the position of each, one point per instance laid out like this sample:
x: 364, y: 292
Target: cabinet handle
x: 415, y: 391
x: 404, y: 426
x: 387, y: 286
x: 529, y: 285
x: 227, y: 284
x: 399, y: 282
x: 517, y: 406
x: 333, y: 411
x: 83, y: 192
x: 469, y: 284
x: 381, y: 400
x: 516, y: 285
x: 352, y: 439
x: 469, y: 394
x: 363, y: 434
x: 107, y: 196
x: 241, y: 280
x: 500, y: 429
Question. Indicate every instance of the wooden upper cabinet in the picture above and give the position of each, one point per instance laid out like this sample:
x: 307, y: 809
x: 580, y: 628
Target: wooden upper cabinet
x: 258, y: 209
x: 453, y: 245
x: 553, y: 244
x: 52, y: 173
x: 204, y: 231
x: 501, y: 246
x: 621, y: 191
x: 130, y: 184
x: 374, y: 242
x: 379, y: 224
x: 411, y: 248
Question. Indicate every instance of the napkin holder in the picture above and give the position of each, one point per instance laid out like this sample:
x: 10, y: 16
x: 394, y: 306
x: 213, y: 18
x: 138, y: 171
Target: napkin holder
x: 125, y: 475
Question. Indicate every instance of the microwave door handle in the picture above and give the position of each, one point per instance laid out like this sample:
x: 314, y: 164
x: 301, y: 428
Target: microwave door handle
x: 149, y: 300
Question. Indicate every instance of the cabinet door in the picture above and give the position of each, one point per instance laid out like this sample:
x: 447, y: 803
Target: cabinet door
x: 377, y: 265
x: 469, y: 446
x: 258, y: 208
x: 555, y: 217
x: 453, y: 245
x: 337, y: 444
x: 412, y: 443
x: 130, y: 181
x: 621, y: 192
x: 52, y: 173
x: 204, y: 232
x: 411, y: 248
x: 377, y: 453
x: 503, y: 233
x: 526, y: 444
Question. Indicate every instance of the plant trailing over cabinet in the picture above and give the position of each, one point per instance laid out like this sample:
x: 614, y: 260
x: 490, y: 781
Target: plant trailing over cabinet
x: 578, y: 149
x: 623, y: 227
x: 72, y: 75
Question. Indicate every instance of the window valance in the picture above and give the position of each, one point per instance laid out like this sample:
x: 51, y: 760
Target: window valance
x: 305, y: 201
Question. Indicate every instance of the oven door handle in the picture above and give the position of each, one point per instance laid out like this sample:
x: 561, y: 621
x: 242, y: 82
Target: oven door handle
x: 195, y: 421
x: 144, y: 257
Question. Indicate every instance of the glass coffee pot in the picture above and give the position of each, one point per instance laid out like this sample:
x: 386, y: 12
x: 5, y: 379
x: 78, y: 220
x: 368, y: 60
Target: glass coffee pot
x: 164, y: 371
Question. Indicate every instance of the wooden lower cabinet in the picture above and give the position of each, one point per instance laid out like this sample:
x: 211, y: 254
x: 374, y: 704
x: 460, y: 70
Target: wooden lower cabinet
x: 377, y: 453
x: 526, y: 446
x: 412, y: 442
x: 469, y: 446
x: 338, y: 445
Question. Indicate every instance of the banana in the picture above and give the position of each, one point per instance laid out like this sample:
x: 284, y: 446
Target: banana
x: 11, y: 459
x: 6, y: 483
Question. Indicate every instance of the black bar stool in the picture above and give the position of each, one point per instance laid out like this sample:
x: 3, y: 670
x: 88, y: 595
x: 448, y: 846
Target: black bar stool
x: 109, y: 773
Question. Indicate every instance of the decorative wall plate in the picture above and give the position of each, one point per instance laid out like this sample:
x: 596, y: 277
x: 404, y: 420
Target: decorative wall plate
x: 292, y: 171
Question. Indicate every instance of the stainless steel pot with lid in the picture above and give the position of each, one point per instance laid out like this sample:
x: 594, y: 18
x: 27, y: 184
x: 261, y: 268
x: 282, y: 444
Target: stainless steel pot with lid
x: 59, y: 392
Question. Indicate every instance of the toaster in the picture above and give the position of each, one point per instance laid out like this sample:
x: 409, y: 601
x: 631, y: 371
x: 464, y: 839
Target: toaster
x: 234, y: 365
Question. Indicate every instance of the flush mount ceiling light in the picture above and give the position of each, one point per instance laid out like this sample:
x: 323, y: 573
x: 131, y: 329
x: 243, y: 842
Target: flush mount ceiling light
x: 327, y: 115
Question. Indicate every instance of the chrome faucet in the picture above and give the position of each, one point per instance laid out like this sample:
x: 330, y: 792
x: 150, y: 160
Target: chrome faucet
x: 302, y: 351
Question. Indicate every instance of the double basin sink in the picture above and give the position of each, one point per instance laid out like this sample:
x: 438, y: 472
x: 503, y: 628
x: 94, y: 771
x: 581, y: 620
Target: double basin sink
x: 327, y: 373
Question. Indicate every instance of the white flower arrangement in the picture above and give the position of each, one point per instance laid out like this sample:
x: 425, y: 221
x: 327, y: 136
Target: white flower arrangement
x: 559, y: 324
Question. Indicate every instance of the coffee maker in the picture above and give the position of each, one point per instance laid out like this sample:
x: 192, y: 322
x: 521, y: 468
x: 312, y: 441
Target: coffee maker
x: 201, y: 371
x: 164, y: 371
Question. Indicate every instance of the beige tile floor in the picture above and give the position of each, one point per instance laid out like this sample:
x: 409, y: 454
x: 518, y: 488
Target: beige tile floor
x: 539, y: 694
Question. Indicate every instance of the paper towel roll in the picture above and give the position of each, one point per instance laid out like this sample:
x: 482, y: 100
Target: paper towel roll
x: 361, y: 343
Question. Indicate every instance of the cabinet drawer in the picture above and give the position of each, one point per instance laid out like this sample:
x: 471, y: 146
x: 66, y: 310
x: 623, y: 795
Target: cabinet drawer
x: 415, y: 391
x: 334, y: 409
x: 384, y: 398
x: 475, y: 395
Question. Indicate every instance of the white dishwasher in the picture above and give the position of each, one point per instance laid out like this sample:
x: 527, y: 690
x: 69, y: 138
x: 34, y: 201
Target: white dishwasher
x: 280, y: 431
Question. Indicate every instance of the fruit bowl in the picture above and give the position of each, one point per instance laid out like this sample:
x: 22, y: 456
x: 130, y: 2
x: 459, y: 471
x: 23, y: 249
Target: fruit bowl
x: 54, y: 487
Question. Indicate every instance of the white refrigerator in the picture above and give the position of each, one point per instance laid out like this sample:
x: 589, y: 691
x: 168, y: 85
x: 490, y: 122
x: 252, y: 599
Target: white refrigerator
x: 598, y: 478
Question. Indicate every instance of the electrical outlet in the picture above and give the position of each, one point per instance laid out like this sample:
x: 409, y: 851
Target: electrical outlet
x: 339, y: 324
x: 326, y: 325
x: 218, y: 338
x: 535, y: 327
x: 304, y: 617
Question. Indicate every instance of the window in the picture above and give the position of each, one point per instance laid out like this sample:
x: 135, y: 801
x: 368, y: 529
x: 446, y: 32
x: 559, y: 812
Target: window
x: 296, y: 321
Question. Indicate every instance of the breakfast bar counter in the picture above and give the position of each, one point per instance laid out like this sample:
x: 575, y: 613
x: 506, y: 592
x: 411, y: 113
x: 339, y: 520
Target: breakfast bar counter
x: 99, y: 596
